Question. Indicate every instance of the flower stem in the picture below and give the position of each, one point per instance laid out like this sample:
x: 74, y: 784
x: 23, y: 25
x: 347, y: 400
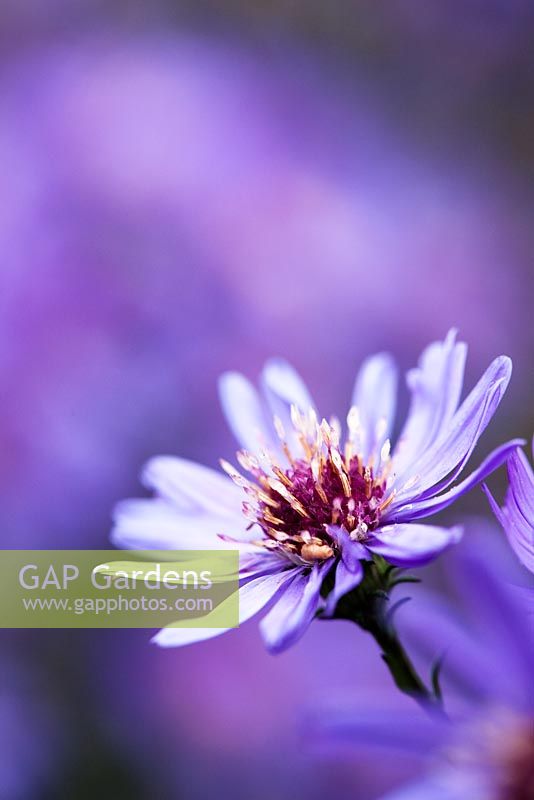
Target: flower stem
x: 368, y: 605
x: 400, y: 666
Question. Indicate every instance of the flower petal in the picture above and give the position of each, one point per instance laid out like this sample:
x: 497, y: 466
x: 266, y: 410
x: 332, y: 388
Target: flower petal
x: 253, y: 596
x: 156, y: 524
x: 244, y: 411
x: 290, y: 617
x: 436, y: 385
x: 498, y: 613
x: 522, y: 485
x: 346, y: 579
x: 436, y: 788
x: 192, y: 487
x: 447, y: 457
x: 432, y: 505
x: 351, y: 552
x: 375, y: 396
x: 407, y: 545
x: 283, y: 387
x: 405, y: 731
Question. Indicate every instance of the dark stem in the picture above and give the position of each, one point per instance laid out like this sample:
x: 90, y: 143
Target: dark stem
x: 368, y: 605
x: 400, y: 666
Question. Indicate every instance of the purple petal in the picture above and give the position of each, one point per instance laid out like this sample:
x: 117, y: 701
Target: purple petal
x: 407, y: 545
x: 517, y: 516
x: 283, y: 387
x: 447, y: 457
x: 501, y: 621
x: 522, y: 485
x: 436, y: 385
x: 156, y: 524
x: 244, y: 412
x: 192, y: 487
x: 432, y: 505
x: 433, y: 630
x: 287, y: 621
x: 346, y: 579
x: 435, y: 788
x: 375, y: 396
x: 406, y: 731
x: 351, y: 552
x: 253, y: 596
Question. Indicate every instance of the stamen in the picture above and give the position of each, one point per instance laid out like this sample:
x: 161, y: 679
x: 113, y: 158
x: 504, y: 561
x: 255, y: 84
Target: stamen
x: 283, y: 477
x: 271, y: 518
x: 280, y: 489
x: 316, y: 552
x: 339, y: 466
x: 247, y: 461
x: 234, y: 474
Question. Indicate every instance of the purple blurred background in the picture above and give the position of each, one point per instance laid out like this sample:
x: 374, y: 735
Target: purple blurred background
x: 188, y: 188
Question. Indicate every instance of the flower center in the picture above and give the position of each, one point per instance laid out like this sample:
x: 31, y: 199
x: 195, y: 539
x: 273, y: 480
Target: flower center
x: 294, y: 498
x: 517, y: 754
x: 498, y: 750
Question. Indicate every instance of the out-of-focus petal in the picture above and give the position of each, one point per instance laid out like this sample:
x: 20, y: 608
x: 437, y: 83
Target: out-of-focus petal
x: 192, y: 487
x: 244, y: 411
x: 433, y: 630
x: 406, y: 731
x: 289, y: 618
x: 283, y: 387
x: 253, y: 596
x: 444, y: 460
x: 375, y: 396
x: 432, y: 505
x: 433, y: 788
x: 407, y: 545
x: 436, y: 386
x: 499, y: 618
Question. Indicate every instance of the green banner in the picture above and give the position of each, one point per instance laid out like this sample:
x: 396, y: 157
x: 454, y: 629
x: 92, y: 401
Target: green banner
x: 119, y: 589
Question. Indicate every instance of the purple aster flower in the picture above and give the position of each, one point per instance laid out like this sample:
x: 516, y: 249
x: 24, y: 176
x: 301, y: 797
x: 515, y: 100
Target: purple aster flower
x: 517, y: 514
x: 484, y: 748
x: 313, y: 517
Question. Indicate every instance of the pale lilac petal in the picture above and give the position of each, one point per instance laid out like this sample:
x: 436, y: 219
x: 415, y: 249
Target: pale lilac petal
x: 290, y: 617
x: 156, y: 524
x: 447, y: 457
x: 518, y: 531
x: 375, y: 396
x: 522, y: 485
x: 436, y: 386
x: 517, y: 515
x: 346, y: 579
x: 244, y: 412
x: 407, y: 545
x: 253, y: 596
x: 283, y: 387
x: 192, y: 487
x: 432, y: 505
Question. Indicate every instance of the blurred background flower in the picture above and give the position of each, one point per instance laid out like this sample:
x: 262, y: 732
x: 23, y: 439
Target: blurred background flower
x: 188, y: 188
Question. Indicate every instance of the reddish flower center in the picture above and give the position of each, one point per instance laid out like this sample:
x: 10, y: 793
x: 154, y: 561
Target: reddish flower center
x: 295, y: 505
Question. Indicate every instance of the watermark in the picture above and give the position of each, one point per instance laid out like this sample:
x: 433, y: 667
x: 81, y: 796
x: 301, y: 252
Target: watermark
x: 113, y: 589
